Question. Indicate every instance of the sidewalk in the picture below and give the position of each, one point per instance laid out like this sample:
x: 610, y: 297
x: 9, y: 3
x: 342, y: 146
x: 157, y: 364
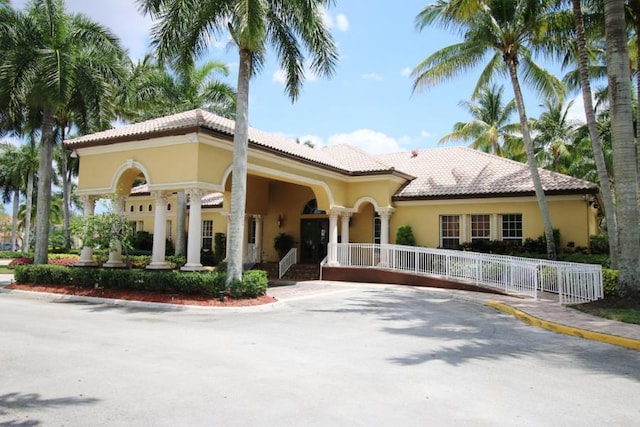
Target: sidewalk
x: 544, y: 313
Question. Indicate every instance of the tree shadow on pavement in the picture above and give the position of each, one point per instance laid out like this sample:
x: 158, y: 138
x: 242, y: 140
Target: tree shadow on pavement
x: 457, y: 331
x: 15, y: 405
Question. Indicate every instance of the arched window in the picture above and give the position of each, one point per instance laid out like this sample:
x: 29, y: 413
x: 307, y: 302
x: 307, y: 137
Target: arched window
x: 168, y: 206
x: 140, y: 208
x: 131, y: 208
x: 150, y: 207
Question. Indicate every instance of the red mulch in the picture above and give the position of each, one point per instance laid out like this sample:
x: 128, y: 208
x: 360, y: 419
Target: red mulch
x: 142, y: 295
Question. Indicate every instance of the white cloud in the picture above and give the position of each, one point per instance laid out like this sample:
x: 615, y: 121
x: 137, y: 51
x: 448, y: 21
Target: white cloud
x: 425, y: 134
x: 342, y: 22
x: 576, y: 112
x: 367, y: 139
x: 279, y: 76
x: 406, y: 72
x: 372, y: 76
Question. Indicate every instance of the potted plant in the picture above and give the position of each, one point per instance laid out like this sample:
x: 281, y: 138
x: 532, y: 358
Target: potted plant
x: 283, y: 243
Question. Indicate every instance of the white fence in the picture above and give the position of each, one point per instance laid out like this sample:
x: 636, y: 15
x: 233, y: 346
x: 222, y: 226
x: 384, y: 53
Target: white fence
x: 286, y: 262
x: 573, y: 282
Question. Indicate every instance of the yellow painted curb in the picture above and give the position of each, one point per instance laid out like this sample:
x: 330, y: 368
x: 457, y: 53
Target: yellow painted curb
x: 564, y: 329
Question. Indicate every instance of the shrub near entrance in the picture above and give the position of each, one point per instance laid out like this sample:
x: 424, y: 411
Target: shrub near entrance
x: 254, y: 282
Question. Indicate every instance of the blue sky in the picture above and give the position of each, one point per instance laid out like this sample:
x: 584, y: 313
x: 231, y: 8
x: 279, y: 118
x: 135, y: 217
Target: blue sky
x: 368, y: 102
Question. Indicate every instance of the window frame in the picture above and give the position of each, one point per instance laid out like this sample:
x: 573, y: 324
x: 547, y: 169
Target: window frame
x: 444, y: 220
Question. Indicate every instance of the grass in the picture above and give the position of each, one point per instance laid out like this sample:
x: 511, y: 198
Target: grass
x: 5, y: 270
x: 620, y: 309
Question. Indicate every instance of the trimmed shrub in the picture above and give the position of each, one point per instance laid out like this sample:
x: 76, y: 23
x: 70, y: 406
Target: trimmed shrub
x: 599, y: 244
x: 23, y: 274
x: 610, y: 282
x: 404, y: 236
x: 42, y: 273
x: 84, y: 277
x: 253, y: 284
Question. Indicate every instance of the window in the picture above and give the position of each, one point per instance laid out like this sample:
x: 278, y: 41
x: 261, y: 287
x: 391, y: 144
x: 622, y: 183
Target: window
x: 169, y: 227
x: 168, y: 206
x: 207, y: 235
x: 449, y: 231
x: 376, y: 228
x: 480, y: 227
x: 140, y: 208
x: 512, y: 227
x: 252, y: 231
x: 134, y: 227
x: 150, y: 208
x: 131, y: 208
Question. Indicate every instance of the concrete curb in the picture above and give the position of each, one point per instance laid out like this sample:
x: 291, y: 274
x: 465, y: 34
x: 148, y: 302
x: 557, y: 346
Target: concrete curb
x: 564, y: 329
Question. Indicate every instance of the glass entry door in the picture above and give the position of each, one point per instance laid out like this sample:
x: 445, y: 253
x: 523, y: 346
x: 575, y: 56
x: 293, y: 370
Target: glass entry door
x: 314, y: 235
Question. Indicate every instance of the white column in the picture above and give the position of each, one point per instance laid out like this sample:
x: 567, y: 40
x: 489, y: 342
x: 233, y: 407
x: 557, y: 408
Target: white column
x: 333, y: 238
x: 195, y: 231
x: 464, y: 232
x: 115, y: 246
x: 159, y: 233
x: 86, y: 256
x: 495, y: 235
x: 258, y: 219
x: 346, y: 217
x: 385, y: 215
x: 181, y: 214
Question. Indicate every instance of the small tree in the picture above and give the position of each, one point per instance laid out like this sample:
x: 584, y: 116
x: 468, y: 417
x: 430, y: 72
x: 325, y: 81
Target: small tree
x: 405, y: 236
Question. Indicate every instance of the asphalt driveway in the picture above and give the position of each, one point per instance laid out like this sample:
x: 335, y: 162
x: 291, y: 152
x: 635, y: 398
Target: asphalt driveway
x: 353, y: 355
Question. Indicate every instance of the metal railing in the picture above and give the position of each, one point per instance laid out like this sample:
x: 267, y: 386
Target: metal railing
x: 251, y: 257
x: 286, y: 262
x: 573, y: 282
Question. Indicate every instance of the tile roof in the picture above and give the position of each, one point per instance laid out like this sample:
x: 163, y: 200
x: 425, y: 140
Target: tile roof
x: 454, y: 172
x: 189, y: 120
x: 450, y: 172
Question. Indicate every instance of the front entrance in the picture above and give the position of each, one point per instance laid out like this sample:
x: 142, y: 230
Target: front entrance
x: 314, y: 236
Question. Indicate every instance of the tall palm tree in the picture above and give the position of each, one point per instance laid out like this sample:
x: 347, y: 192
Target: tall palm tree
x: 155, y: 91
x: 53, y: 60
x: 11, y: 181
x: 490, y: 125
x: 582, y: 57
x: 554, y: 134
x: 624, y: 153
x: 183, y: 32
x: 511, y: 30
x: 29, y: 166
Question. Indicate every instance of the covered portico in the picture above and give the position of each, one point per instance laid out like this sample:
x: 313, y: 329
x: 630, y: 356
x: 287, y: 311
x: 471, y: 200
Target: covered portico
x: 190, y: 154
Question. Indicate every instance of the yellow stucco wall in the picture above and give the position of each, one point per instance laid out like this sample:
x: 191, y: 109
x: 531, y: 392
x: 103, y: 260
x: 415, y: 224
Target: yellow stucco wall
x: 571, y: 214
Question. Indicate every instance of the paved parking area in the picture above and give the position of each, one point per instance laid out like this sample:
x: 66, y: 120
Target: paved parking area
x: 355, y: 355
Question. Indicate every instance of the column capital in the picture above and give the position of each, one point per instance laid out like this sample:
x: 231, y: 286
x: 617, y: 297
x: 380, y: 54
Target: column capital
x: 195, y: 193
x: 385, y: 212
x: 257, y: 217
x: 160, y: 196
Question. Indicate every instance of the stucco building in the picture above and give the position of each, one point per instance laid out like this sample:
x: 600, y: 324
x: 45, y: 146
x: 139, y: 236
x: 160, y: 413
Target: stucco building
x: 339, y: 193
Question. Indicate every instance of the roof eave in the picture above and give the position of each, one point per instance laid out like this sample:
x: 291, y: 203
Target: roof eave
x: 593, y: 190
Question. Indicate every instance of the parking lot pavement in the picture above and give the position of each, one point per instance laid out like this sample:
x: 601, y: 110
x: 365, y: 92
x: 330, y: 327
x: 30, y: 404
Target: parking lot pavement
x: 358, y: 355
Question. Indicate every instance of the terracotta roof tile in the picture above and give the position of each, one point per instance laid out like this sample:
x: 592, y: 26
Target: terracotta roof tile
x: 460, y: 171
x: 193, y: 118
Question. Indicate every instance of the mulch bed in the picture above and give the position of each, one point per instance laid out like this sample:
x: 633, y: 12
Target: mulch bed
x: 142, y: 295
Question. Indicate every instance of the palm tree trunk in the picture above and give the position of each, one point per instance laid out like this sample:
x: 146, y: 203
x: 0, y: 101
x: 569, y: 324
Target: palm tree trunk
x: 43, y: 209
x: 592, y: 125
x: 624, y: 152
x: 66, y: 194
x: 239, y: 178
x: 14, y: 222
x: 531, y: 161
x: 26, y: 244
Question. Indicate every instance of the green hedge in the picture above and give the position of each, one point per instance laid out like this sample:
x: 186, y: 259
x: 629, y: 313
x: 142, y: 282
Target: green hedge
x: 610, y: 282
x: 253, y: 284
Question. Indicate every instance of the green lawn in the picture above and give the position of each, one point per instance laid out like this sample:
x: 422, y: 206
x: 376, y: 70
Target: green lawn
x: 5, y: 270
x: 620, y: 309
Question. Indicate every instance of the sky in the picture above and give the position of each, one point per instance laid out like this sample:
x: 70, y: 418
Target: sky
x: 368, y: 102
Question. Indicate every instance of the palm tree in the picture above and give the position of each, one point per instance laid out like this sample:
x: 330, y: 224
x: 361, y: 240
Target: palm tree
x: 287, y: 26
x: 509, y: 29
x: 11, y: 180
x: 156, y: 91
x: 555, y: 134
x: 585, y: 71
x: 624, y: 153
x: 29, y: 166
x: 53, y: 60
x: 490, y: 125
